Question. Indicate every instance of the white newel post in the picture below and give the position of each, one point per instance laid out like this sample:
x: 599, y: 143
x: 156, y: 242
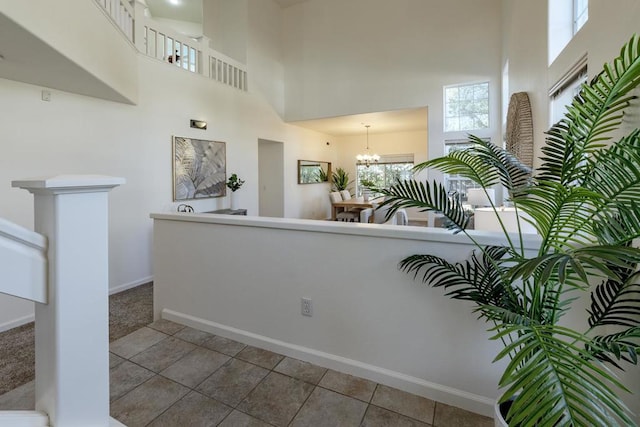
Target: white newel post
x: 139, y: 36
x: 72, y: 331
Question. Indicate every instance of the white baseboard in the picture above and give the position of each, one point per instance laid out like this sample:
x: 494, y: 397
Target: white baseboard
x: 17, y: 322
x: 448, y: 395
x: 130, y: 285
x: 115, y: 423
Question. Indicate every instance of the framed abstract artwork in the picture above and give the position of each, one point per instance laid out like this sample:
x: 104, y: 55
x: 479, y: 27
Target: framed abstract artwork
x: 199, y: 168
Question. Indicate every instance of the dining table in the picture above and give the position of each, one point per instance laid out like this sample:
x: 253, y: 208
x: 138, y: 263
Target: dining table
x: 349, y: 204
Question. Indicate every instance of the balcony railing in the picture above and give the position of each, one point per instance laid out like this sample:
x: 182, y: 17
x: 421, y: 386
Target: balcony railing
x: 163, y: 43
x: 195, y: 56
x: 122, y: 14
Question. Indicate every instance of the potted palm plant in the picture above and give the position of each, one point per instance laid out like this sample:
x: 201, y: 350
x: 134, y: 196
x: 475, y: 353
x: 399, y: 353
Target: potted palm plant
x: 340, y: 180
x: 584, y: 202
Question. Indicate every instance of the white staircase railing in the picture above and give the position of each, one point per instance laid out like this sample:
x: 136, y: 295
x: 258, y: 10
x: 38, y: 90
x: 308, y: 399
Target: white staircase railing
x: 67, y: 274
x: 161, y: 42
x: 122, y: 14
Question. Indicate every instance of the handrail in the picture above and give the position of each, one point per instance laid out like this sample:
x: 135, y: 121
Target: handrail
x: 161, y: 42
x: 22, y: 235
x: 121, y: 13
x: 24, y: 419
x: 23, y: 262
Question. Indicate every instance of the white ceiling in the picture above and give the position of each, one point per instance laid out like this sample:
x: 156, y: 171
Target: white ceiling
x: 180, y: 10
x: 190, y: 10
x: 414, y: 119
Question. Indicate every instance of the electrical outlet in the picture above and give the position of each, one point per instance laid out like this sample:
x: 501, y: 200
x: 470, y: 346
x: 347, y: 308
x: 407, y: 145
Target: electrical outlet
x: 307, y: 307
x: 46, y: 95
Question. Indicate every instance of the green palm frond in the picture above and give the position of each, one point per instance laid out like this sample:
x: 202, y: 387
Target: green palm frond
x: 466, y: 164
x: 555, y: 382
x: 623, y: 346
x: 594, y: 113
x: 560, y: 156
x: 478, y: 279
x: 484, y: 163
x: 514, y: 175
x: 560, y: 214
x: 617, y: 302
x: 604, y: 261
x: 617, y: 225
x: 426, y: 197
x: 613, y: 172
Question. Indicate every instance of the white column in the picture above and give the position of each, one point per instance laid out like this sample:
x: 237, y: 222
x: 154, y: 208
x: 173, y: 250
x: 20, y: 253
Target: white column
x: 72, y: 330
x: 139, y: 18
x: 204, y: 58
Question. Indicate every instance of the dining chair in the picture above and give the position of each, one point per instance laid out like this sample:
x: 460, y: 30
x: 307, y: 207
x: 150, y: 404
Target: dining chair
x: 345, y: 215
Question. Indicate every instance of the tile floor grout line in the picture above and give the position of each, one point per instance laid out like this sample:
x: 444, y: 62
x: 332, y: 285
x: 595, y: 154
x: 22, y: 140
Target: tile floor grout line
x: 368, y: 402
x: 299, y: 371
x: 435, y: 408
x: 301, y: 406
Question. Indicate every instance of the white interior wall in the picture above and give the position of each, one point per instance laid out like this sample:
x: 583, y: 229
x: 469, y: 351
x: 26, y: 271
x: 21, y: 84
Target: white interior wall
x: 312, y: 199
x: 524, y: 43
x: 81, y: 32
x: 369, y: 318
x: 363, y: 56
x: 76, y: 134
x: 264, y: 52
x: 225, y: 23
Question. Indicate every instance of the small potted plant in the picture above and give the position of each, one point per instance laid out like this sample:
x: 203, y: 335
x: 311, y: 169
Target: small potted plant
x: 234, y: 183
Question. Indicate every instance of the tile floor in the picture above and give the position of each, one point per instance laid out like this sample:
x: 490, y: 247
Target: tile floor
x: 168, y: 375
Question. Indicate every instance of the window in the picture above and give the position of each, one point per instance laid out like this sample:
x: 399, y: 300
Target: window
x: 580, y: 14
x: 457, y: 183
x: 563, y: 92
x: 466, y: 107
x: 386, y: 172
x: 565, y: 18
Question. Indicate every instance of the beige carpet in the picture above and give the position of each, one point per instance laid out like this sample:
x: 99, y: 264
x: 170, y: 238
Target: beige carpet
x: 128, y: 311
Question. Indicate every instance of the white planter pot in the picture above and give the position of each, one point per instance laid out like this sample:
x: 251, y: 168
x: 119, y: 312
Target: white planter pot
x: 234, y: 201
x: 497, y: 416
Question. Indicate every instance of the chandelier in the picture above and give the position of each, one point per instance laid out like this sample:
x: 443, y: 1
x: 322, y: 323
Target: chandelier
x: 367, y: 158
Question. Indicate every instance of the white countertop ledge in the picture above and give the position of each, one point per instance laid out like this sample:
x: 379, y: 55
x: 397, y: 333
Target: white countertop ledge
x: 405, y: 232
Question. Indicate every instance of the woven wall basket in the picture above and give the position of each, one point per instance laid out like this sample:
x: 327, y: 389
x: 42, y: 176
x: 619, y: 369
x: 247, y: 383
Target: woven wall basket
x: 519, y: 136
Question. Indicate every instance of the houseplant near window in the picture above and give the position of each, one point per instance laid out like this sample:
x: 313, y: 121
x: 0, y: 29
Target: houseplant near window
x: 585, y: 204
x: 366, y: 188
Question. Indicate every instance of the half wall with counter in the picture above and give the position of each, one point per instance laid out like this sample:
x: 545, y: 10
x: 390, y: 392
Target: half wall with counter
x: 244, y: 277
